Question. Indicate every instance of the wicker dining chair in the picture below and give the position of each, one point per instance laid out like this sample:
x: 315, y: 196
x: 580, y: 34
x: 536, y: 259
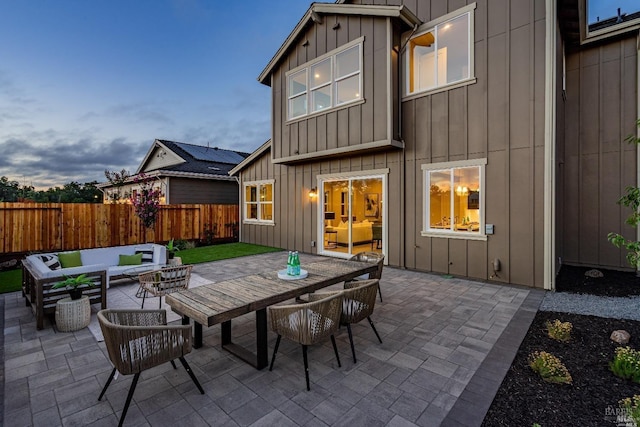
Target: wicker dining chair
x: 358, y: 302
x: 164, y: 281
x: 371, y: 257
x: 138, y: 340
x: 307, y: 324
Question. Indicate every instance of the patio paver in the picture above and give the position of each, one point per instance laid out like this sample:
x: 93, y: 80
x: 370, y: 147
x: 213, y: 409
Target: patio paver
x: 447, y: 344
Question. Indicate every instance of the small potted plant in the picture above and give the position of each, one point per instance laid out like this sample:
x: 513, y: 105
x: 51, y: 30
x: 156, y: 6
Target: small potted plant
x: 74, y: 285
x: 171, y: 250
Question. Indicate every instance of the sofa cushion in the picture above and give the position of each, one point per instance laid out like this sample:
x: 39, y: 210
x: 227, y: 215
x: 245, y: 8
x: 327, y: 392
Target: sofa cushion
x: 147, y: 255
x: 130, y: 259
x: 51, y: 261
x: 70, y: 259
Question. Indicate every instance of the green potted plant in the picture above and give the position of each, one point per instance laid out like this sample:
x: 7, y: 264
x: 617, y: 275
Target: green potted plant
x: 171, y: 249
x: 74, y: 285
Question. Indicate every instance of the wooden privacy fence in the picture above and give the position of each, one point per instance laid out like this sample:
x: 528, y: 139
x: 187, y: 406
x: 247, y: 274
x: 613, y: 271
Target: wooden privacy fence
x: 36, y: 227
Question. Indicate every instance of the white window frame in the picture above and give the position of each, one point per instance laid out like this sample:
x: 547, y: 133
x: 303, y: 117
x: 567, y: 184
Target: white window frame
x: 333, y: 82
x: 427, y: 231
x: 246, y: 204
x: 433, y: 26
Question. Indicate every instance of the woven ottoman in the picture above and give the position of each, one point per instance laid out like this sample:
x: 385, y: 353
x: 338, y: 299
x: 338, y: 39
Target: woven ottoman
x: 72, y: 315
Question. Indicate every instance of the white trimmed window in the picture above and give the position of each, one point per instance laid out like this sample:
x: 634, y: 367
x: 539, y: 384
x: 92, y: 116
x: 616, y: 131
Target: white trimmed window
x: 258, y: 202
x: 330, y: 81
x: 454, y: 199
x: 440, y: 53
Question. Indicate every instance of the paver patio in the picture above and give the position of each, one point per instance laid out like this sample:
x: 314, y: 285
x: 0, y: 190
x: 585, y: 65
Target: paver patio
x: 447, y: 344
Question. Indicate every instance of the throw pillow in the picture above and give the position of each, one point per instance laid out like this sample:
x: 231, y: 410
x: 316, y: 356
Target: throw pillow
x: 70, y: 259
x: 51, y: 261
x: 147, y: 255
x: 130, y: 259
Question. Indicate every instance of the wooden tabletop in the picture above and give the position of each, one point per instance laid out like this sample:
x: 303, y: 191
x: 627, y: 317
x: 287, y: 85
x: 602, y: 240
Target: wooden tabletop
x: 218, y: 302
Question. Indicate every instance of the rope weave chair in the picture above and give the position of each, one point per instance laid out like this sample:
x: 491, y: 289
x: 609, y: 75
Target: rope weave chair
x: 138, y: 340
x: 165, y: 281
x: 374, y: 258
x: 358, y: 302
x: 307, y: 324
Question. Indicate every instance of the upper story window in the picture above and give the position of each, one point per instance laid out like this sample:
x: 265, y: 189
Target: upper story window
x: 330, y: 81
x: 454, y: 203
x: 258, y: 202
x: 605, y: 18
x: 440, y: 53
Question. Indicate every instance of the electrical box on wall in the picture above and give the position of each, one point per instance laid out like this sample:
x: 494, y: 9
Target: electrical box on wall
x: 488, y: 229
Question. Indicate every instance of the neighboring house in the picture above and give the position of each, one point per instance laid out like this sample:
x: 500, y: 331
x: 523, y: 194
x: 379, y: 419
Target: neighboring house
x: 184, y: 173
x: 479, y: 139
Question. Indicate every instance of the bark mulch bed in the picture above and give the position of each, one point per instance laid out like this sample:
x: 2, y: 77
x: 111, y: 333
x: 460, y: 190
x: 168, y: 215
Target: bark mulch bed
x: 524, y: 398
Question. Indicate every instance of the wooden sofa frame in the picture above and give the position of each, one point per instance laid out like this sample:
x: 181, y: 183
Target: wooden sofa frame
x: 42, y: 299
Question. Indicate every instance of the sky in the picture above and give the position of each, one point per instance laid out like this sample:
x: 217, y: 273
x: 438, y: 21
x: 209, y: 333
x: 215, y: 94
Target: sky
x: 87, y: 86
x: 609, y: 8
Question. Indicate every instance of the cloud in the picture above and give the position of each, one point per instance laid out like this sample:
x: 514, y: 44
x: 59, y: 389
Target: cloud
x: 66, y: 159
x: 144, y: 112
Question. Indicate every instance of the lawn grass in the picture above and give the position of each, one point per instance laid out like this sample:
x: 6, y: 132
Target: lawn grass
x: 11, y: 281
x: 218, y: 252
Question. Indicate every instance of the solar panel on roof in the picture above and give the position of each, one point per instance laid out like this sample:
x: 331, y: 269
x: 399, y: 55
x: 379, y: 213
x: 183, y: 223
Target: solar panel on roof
x: 211, y: 154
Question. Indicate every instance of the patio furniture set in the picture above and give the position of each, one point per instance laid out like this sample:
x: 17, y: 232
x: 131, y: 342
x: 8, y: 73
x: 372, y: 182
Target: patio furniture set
x: 138, y: 340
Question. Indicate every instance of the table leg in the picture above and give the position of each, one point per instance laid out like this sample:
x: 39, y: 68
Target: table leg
x: 261, y: 358
x: 197, y: 335
x: 262, y: 349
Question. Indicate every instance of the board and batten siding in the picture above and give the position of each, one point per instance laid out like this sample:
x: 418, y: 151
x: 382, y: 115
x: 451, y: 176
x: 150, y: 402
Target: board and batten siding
x: 595, y: 163
x: 296, y: 215
x: 500, y: 118
x: 347, y: 126
x: 183, y: 190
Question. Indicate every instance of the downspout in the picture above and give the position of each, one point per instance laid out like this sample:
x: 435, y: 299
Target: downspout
x: 549, y: 253
x: 403, y: 167
x: 240, y: 205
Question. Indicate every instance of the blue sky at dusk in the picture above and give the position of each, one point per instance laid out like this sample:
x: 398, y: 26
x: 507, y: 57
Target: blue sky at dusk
x: 88, y: 85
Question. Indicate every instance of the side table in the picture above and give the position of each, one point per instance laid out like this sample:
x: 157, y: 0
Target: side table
x: 73, y: 315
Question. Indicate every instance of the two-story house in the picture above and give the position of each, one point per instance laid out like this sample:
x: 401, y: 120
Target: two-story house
x: 479, y: 139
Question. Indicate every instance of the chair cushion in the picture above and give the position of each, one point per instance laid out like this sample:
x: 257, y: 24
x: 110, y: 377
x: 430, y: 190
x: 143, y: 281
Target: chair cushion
x: 51, y: 261
x: 70, y: 259
x: 130, y: 259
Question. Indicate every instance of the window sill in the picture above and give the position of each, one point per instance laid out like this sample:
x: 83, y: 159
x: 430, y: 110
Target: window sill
x: 325, y: 111
x: 454, y: 235
x: 257, y: 222
x: 451, y: 86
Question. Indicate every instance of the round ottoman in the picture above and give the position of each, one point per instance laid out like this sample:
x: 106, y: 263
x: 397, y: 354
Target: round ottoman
x: 72, y: 315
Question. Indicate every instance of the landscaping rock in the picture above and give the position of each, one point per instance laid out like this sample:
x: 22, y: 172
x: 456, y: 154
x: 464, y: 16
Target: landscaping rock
x: 620, y: 336
x: 593, y: 273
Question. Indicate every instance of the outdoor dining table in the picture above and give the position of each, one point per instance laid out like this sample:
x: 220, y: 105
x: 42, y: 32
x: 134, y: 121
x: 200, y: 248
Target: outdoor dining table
x: 221, y: 302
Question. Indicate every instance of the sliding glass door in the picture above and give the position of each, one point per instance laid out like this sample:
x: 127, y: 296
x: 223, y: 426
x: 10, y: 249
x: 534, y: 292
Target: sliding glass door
x: 352, y: 214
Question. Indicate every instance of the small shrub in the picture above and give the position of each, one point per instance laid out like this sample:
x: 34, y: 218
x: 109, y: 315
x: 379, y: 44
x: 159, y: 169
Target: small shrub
x: 631, y: 408
x: 549, y: 367
x: 559, y: 331
x: 626, y: 364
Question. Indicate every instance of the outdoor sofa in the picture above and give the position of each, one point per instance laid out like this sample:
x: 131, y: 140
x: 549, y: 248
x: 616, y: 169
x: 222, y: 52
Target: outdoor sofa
x: 41, y: 271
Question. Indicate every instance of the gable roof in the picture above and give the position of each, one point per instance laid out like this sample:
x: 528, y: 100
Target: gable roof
x: 196, y: 158
x: 314, y: 13
x: 251, y: 158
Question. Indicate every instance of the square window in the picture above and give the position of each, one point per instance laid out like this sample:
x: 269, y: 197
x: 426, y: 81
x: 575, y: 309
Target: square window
x: 453, y: 205
x: 440, y: 55
x: 258, y: 202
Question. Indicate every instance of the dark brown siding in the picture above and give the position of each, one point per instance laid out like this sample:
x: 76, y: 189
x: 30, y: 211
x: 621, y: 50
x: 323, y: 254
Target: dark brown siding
x: 596, y: 164
x: 184, y: 190
x: 343, y: 127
